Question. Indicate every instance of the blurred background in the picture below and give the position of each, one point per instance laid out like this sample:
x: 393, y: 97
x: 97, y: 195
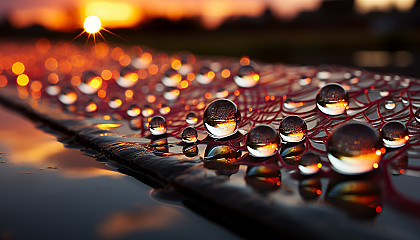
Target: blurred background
x: 377, y: 35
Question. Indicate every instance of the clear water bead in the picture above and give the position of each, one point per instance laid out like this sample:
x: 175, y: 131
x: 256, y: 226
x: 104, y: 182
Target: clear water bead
x: 262, y: 141
x: 157, y: 125
x: 324, y: 73
x: 191, y: 118
x: 394, y: 134
x: 171, y: 78
x: 90, y: 83
x: 128, y: 78
x: 304, y: 80
x: 417, y: 115
x: 293, y: 129
x: 164, y: 109
x: 189, y: 135
x: 221, y: 118
x: 332, y: 99
x: 384, y: 92
x: 68, y: 96
x: 133, y: 110
x: 354, y: 148
x: 171, y: 94
x: 310, y: 163
x: 247, y: 77
x: 115, y: 103
x: 147, y: 111
x: 205, y: 75
x: 389, y: 104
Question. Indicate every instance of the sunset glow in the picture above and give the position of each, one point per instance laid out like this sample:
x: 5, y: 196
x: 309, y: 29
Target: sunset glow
x: 92, y: 24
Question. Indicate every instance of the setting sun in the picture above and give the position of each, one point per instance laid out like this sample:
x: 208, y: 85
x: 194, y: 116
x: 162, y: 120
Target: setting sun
x: 92, y: 24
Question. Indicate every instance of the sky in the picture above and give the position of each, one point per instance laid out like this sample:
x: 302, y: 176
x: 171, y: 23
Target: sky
x: 66, y: 15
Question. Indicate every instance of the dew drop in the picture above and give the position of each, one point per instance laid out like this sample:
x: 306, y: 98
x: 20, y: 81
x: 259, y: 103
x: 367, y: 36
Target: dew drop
x: 128, y: 78
x: 164, y: 109
x: 394, y: 134
x: 324, y: 74
x: 171, y: 94
x: 262, y: 141
x: 205, y: 75
x: 293, y: 129
x: 115, y: 103
x: 90, y: 83
x: 304, y: 80
x: 133, y: 110
x: 247, y: 77
x: 332, y: 99
x: 354, y: 148
x: 147, y: 111
x: 389, y: 104
x: 52, y: 89
x: 384, y: 92
x: 68, y: 96
x: 171, y: 78
x: 189, y: 135
x: 157, y: 125
x: 191, y: 118
x: 310, y: 163
x: 221, y: 118
x: 353, y: 79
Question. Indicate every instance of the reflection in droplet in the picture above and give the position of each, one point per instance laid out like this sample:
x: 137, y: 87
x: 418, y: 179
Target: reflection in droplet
x: 67, y: 96
x: 389, y: 104
x: 221, y: 118
x: 90, y: 82
x: 293, y: 129
x: 310, y: 189
x: 128, y: 78
x: 247, y: 77
x: 205, y: 75
x: 291, y: 153
x: 157, y: 125
x: 160, y: 146
x: 263, y: 178
x: 190, y: 150
x: 359, y: 198
x: 304, y: 80
x: 310, y: 163
x: 222, y: 153
x: 52, y: 89
x: 354, y: 148
x: 332, y: 99
x: 262, y: 141
x: 189, y: 135
x: 191, y: 118
x: 394, y: 134
x: 91, y: 107
x: 290, y: 104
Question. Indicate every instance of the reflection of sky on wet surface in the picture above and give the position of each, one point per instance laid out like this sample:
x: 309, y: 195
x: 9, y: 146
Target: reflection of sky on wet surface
x: 50, y: 192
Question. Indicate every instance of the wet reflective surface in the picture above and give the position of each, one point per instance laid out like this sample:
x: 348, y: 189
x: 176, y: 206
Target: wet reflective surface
x: 53, y: 192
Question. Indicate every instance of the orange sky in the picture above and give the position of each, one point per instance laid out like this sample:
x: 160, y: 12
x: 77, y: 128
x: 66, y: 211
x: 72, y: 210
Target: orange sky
x: 69, y: 15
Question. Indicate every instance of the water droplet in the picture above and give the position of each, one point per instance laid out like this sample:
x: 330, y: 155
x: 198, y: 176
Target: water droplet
x: 353, y: 79
x: 389, y: 104
x: 384, y: 92
x: 310, y: 189
x: 91, y: 106
x: 292, y: 152
x: 352, y: 195
x: 262, y: 141
x: 205, y: 75
x: 221, y: 118
x: 147, y: 111
x: 310, y: 163
x: 90, y: 83
x: 290, y: 104
x: 304, y: 80
x: 52, y: 89
x: 222, y: 93
x: 68, y: 96
x: 190, y: 150
x: 171, y: 78
x: 247, y: 77
x: 128, y: 78
x: 157, y: 125
x: 221, y: 153
x: 189, y: 135
x: 324, y: 74
x: 417, y: 115
x: 293, y: 129
x: 191, y: 118
x: 171, y: 94
x: 394, y: 134
x: 115, y: 103
x: 133, y: 111
x: 354, y: 148
x: 164, y: 109
x: 332, y: 99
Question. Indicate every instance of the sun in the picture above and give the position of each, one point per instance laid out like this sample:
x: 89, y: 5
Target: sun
x: 92, y: 24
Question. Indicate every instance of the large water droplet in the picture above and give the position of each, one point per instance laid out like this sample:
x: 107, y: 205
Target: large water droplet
x: 205, y: 75
x: 133, y: 110
x: 293, y: 129
x: 189, y: 135
x: 221, y: 118
x: 191, y: 118
x: 332, y: 99
x: 394, y: 134
x: 310, y: 163
x: 354, y: 148
x: 90, y: 83
x: 157, y: 125
x: 262, y: 141
x: 171, y: 78
x: 128, y: 78
x: 247, y: 77
x: 68, y: 96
